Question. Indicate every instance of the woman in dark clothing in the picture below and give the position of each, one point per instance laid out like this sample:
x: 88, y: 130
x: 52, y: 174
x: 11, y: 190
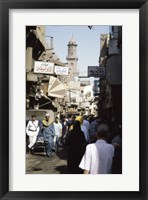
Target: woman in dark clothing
x: 76, y: 144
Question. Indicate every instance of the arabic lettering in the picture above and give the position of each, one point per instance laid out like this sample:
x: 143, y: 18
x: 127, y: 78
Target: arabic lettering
x: 44, y: 68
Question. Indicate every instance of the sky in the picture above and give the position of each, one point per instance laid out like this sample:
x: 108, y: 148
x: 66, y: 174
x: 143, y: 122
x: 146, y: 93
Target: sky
x: 88, y: 42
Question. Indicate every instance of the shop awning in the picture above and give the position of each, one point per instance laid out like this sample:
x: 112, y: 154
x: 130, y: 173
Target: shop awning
x: 56, y: 88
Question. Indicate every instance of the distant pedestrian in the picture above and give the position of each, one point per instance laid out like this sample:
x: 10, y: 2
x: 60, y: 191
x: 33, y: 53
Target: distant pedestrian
x: 91, y: 118
x: 48, y: 133
x: 32, y: 131
x: 98, y: 157
x: 76, y: 144
x: 58, y: 115
x: 64, y: 128
x: 93, y: 129
x: 58, y: 133
x: 86, y: 123
x: 70, y: 121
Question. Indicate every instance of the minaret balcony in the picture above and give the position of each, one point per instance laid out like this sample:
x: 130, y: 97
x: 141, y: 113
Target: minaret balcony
x: 71, y: 58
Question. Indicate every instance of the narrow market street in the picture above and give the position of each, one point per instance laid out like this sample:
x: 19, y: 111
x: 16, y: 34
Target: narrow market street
x: 73, y: 99
x: 38, y: 163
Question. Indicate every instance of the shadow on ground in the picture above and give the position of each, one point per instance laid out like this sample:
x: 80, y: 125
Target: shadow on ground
x: 62, y: 169
x: 62, y: 154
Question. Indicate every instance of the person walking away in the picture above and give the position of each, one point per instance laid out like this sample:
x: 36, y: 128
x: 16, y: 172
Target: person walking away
x: 86, y: 122
x: 76, y: 144
x: 83, y: 128
x: 91, y: 118
x: 48, y: 133
x: 93, y: 129
x: 70, y: 121
x: 58, y: 133
x: 117, y: 142
x: 32, y: 131
x: 98, y: 157
x: 64, y: 129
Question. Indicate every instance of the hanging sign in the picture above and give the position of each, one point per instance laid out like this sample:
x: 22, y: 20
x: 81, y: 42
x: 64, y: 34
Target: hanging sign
x: 43, y: 67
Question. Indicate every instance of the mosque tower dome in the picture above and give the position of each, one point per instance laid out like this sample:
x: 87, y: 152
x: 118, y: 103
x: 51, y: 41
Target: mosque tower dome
x: 72, y: 41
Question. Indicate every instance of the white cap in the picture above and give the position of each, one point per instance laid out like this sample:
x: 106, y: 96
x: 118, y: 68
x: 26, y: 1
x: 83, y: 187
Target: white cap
x: 47, y: 115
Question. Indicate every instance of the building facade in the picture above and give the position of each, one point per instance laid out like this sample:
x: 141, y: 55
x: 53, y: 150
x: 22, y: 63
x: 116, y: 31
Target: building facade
x: 110, y: 97
x: 38, y: 95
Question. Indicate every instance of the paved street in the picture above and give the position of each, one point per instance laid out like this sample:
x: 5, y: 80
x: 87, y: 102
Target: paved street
x: 40, y: 164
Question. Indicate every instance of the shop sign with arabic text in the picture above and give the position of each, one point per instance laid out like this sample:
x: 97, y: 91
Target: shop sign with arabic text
x: 96, y: 71
x: 43, y: 67
x: 61, y: 70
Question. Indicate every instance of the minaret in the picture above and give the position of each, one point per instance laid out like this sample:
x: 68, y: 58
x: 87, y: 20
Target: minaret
x: 72, y: 55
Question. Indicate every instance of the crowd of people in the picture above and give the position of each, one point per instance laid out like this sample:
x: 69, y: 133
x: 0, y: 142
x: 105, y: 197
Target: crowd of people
x: 93, y: 145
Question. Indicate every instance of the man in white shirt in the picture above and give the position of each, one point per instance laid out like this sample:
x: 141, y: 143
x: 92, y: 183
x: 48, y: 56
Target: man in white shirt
x: 58, y: 132
x: 98, y: 157
x: 32, y: 131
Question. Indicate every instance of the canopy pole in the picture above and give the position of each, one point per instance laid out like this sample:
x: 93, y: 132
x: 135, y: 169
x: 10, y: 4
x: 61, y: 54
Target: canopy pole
x: 44, y: 104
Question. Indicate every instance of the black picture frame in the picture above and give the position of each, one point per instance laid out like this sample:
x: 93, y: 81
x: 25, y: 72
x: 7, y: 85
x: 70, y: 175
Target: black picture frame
x: 5, y: 5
